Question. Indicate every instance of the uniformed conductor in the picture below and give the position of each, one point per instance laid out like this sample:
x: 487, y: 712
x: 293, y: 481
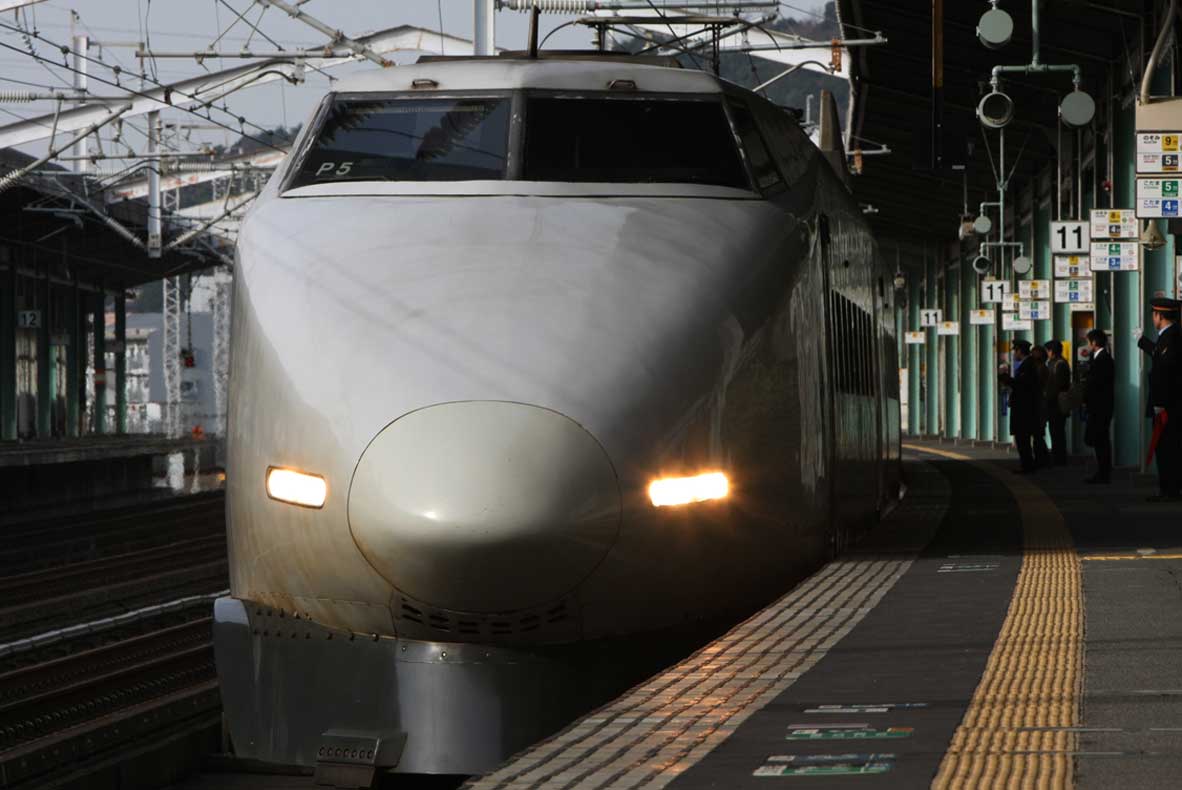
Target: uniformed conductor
x: 1165, y: 396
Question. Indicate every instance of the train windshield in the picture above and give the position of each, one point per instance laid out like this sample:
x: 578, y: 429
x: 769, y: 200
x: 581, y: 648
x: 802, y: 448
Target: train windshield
x: 409, y: 140
x: 645, y: 140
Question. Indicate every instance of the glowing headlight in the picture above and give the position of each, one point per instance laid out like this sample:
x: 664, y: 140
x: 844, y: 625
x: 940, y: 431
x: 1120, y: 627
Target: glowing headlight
x: 683, y: 490
x: 288, y: 485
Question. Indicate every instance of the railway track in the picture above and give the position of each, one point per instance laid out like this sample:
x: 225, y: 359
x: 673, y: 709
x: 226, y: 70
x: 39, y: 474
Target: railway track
x: 86, y: 683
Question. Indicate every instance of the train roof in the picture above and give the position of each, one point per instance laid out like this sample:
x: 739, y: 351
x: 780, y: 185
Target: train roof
x: 579, y: 74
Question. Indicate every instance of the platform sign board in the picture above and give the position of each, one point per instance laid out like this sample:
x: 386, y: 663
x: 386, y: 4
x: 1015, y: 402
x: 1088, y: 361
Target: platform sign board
x: 1035, y: 310
x: 1114, y: 223
x: 930, y: 317
x: 1070, y: 238
x: 1073, y: 290
x: 1157, y: 152
x: 1116, y: 256
x: 994, y: 291
x: 844, y: 732
x: 1071, y: 265
x: 28, y: 319
x: 1034, y: 289
x: 948, y: 329
x: 916, y: 338
x: 825, y: 764
x: 1159, y: 197
x: 1083, y: 307
x: 981, y: 317
x: 1010, y: 322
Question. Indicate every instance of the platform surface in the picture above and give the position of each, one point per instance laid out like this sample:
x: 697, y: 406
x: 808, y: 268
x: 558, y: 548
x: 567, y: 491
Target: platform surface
x: 91, y: 448
x: 996, y: 630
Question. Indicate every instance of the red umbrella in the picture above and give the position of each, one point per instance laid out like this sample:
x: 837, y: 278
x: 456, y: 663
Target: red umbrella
x: 1159, y: 425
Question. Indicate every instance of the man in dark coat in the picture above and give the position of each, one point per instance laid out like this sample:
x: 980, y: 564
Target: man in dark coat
x: 1165, y: 396
x: 1025, y: 402
x: 1100, y: 401
x: 1058, y: 383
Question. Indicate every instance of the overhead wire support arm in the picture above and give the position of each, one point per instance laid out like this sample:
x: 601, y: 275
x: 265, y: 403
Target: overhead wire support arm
x: 10, y: 180
x: 337, y: 36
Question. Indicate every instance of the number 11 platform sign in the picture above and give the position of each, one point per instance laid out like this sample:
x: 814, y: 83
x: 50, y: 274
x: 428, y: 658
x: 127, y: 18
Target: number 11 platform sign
x: 1070, y: 238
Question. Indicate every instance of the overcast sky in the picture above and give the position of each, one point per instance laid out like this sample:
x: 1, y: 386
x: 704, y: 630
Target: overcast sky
x: 186, y: 25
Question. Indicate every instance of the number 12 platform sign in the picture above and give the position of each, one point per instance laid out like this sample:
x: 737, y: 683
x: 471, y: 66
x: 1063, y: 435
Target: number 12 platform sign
x: 1070, y: 238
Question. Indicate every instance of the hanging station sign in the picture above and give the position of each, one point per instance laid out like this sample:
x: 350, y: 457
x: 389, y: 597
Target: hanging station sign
x: 994, y: 291
x: 930, y: 317
x: 915, y: 338
x: 1072, y: 265
x: 28, y: 319
x: 1070, y: 238
x: 1010, y: 322
x: 1035, y: 311
x: 1158, y: 197
x: 1034, y: 289
x: 1082, y: 307
x: 948, y: 328
x: 1114, y: 223
x: 981, y: 317
x: 1116, y: 256
x: 1072, y: 291
x: 1157, y: 152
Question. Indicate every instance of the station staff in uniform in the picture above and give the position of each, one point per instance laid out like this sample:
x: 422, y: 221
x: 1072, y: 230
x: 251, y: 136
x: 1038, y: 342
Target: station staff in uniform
x: 1025, y: 404
x: 1165, y: 396
x: 1100, y: 401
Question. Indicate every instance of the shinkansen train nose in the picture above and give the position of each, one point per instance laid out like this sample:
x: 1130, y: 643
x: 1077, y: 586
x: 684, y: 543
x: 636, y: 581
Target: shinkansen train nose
x: 484, y: 506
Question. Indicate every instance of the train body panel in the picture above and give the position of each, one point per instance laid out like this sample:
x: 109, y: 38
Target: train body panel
x: 488, y: 374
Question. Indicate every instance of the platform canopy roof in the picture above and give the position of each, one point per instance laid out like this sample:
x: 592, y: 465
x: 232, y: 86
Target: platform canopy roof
x: 919, y: 199
x: 46, y: 227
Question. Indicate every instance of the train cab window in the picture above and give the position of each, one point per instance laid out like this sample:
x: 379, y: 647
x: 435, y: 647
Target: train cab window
x: 409, y: 140
x: 637, y: 140
x: 763, y: 167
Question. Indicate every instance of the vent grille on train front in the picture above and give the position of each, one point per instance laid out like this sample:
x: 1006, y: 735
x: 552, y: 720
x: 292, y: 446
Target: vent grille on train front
x: 417, y: 617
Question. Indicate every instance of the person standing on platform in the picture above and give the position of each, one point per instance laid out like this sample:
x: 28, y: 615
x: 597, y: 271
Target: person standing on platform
x: 1058, y: 383
x: 1165, y: 397
x: 1025, y: 399
x: 1100, y: 401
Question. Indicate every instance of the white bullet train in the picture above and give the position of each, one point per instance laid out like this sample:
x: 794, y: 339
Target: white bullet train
x: 532, y: 357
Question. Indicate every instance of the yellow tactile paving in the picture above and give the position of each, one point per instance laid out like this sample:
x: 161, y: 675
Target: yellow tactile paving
x: 1013, y: 734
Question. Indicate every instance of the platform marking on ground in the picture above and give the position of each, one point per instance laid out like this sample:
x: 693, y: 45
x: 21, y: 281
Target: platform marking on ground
x: 1127, y: 557
x: 944, y: 453
x: 1020, y: 727
x: 663, y: 727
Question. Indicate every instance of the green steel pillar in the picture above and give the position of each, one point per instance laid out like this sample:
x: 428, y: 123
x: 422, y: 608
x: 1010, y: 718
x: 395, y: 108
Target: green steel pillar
x: 100, y: 361
x: 73, y: 342
x: 121, y: 362
x: 968, y: 351
x: 1040, y: 253
x: 915, y: 407
x: 951, y: 361
x: 8, y: 353
x: 44, y: 363
x: 987, y: 379
x: 1126, y: 299
x: 931, y: 426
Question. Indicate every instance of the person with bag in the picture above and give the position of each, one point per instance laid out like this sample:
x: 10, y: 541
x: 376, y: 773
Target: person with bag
x: 1025, y: 402
x: 1100, y: 401
x: 1056, y: 391
x: 1165, y: 397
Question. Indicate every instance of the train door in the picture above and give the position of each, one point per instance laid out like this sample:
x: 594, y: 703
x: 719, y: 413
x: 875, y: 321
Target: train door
x: 830, y: 408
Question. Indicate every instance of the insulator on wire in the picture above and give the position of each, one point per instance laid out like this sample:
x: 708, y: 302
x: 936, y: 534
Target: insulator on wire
x: 551, y: 6
x: 19, y: 96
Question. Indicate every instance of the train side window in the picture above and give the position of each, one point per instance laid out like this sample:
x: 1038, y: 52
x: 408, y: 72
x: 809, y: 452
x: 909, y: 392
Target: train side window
x: 763, y: 167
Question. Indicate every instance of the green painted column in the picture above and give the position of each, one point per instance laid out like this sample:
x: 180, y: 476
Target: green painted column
x: 44, y: 362
x: 8, y: 353
x: 1128, y: 421
x: 915, y: 408
x: 1040, y: 253
x: 121, y: 362
x: 987, y: 380
x: 73, y: 343
x: 99, y: 301
x: 968, y: 351
x: 932, y: 356
x: 951, y: 361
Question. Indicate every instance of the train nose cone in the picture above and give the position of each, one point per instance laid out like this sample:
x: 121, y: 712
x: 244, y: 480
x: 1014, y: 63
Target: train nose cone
x: 484, y: 506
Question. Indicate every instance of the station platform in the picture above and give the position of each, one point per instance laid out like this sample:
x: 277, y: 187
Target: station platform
x: 995, y: 630
x: 72, y: 473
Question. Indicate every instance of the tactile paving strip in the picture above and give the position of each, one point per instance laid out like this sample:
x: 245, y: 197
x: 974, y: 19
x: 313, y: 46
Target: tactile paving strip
x: 1019, y: 729
x: 655, y: 732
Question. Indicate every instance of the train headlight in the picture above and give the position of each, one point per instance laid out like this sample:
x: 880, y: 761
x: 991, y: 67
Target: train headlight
x: 297, y: 488
x: 670, y: 491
